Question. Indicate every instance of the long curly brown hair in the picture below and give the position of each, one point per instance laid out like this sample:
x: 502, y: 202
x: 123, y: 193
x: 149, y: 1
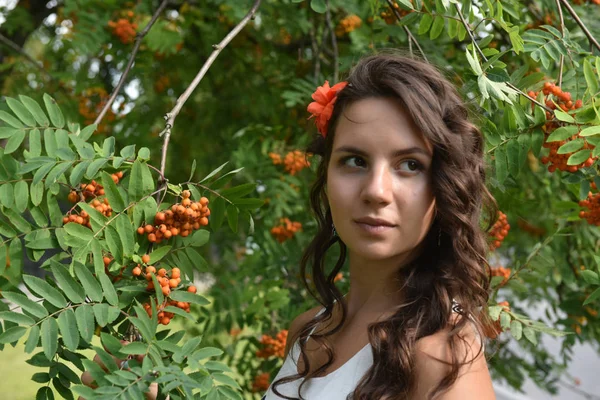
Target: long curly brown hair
x: 452, y: 264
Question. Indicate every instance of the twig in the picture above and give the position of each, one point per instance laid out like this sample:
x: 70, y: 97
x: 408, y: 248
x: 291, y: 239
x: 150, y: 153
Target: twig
x: 585, y: 30
x: 136, y: 47
x: 510, y: 85
x: 408, y: 32
x: 170, y: 117
x: 22, y: 52
x: 562, y: 32
x: 336, y: 67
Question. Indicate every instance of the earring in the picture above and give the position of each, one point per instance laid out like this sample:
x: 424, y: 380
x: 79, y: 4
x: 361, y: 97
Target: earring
x: 333, y: 231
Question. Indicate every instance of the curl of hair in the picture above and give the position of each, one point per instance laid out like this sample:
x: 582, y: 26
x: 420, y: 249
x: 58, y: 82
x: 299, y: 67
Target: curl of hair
x: 455, y: 269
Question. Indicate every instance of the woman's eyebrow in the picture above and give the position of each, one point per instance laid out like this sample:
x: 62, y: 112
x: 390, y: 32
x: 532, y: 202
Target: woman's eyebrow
x: 395, y: 153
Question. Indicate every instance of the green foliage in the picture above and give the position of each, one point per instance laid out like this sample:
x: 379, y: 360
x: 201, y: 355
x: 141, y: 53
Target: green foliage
x: 250, y: 108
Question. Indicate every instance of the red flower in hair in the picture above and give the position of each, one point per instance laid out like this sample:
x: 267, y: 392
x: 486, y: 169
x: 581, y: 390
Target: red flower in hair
x: 322, y: 106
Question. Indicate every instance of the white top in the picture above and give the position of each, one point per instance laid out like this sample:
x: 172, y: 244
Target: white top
x: 337, y: 385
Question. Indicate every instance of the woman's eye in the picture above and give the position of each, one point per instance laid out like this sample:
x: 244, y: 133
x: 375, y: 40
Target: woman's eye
x: 354, y: 161
x: 413, y: 165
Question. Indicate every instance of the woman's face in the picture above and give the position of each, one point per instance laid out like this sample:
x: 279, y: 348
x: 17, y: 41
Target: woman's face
x: 379, y: 180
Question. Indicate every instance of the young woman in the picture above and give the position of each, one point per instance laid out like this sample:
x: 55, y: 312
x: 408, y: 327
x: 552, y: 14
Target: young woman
x: 400, y: 188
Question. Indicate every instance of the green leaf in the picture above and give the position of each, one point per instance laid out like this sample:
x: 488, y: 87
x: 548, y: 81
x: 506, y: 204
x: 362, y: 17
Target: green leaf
x: 516, y: 329
x: 84, y: 316
x: 94, y: 167
x: 20, y: 111
x: 590, y: 277
x: 180, y: 312
x: 207, y: 352
x: 44, y: 393
x: 592, y: 130
x: 97, y: 256
x: 112, y: 193
x: 32, y: 340
x: 140, y: 181
x: 12, y: 335
x: 501, y: 164
x: 7, y: 195
x: 217, y: 213
x: 437, y: 27
x: 127, y: 234
x: 571, y: 146
x: 114, y: 243
x: 159, y: 253
x: 109, y: 290
x: 590, y: 77
x: 91, y: 286
x: 318, y: 6
x: 67, y: 324
x: 530, y: 335
x: 232, y: 217
x: 28, y: 305
x: 42, y: 172
x: 101, y: 313
x: 54, y: 112
x: 10, y: 120
x: 135, y: 348
x: 36, y: 193
x: 226, y: 380
x: 592, y: 297
x: 563, y: 116
x: 21, y: 192
x: 49, y: 337
x: 87, y: 132
x: 579, y: 157
x: 57, y: 172
x: 14, y: 142
x: 69, y: 286
x: 44, y: 290
x: 562, y: 133
x: 17, y: 318
x: 34, y: 108
x: 180, y: 295
x: 512, y: 155
x: 79, y: 231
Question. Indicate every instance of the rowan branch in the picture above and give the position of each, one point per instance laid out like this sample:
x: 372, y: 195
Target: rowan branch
x: 138, y: 41
x: 593, y: 41
x: 408, y: 32
x: 483, y: 57
x: 562, y: 32
x: 170, y: 117
x: 334, y: 46
x: 22, y: 52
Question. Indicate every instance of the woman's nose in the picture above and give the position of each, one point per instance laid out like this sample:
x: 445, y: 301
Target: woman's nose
x: 378, y: 186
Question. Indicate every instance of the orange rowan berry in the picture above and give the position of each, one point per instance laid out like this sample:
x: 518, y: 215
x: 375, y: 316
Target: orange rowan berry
x: 137, y: 271
x: 145, y: 258
x: 192, y: 289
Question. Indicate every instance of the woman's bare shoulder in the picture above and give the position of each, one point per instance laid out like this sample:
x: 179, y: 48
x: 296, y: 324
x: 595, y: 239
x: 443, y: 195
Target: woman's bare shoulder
x: 297, y: 324
x: 433, y: 355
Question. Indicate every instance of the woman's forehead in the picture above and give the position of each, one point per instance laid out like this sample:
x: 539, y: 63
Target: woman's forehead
x: 379, y: 122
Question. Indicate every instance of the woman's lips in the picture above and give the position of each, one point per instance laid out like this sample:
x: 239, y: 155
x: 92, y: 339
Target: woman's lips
x: 374, y: 229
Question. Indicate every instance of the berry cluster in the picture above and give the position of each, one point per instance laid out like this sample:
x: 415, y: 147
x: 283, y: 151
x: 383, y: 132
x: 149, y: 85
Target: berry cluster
x: 593, y: 205
x: 261, y: 382
x: 83, y: 217
x: 181, y: 219
x: 273, y: 346
x: 165, y: 317
x: 499, y: 231
x: 93, y: 189
x: 347, y: 25
x: 503, y: 272
x: 563, y: 101
x: 285, y: 230
x: 529, y: 228
x: 124, y: 29
x: 294, y: 161
x: 91, y: 102
x: 390, y: 18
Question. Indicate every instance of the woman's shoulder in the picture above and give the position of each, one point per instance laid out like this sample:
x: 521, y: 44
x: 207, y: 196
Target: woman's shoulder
x: 435, y: 353
x: 297, y: 324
